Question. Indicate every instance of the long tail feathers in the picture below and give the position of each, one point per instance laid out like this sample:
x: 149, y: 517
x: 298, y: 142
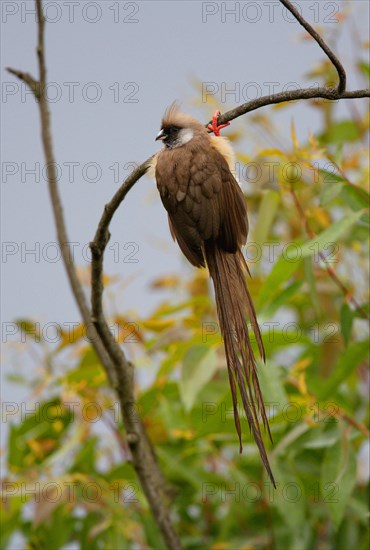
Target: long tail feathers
x: 235, y: 308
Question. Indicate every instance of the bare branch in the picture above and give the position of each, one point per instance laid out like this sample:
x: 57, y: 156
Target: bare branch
x: 28, y: 79
x: 37, y: 87
x: 305, y: 93
x: 331, y: 94
x: 333, y: 58
x: 119, y: 370
x: 143, y: 457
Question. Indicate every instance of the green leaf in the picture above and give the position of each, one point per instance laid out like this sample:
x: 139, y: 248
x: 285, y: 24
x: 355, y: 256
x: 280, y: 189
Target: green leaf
x: 266, y: 214
x: 39, y: 435
x: 198, y: 367
x: 330, y: 177
x: 364, y: 68
x: 86, y: 456
x: 288, y: 262
x: 346, y: 364
x: 329, y: 191
x: 11, y: 512
x: 291, y: 335
x: 281, y: 299
x: 330, y: 235
x: 356, y: 199
x: 364, y: 308
x: 178, y: 469
x: 321, y: 437
x: 29, y: 327
x: 274, y: 395
x: 346, y: 320
x: 342, y: 131
x: 311, y: 281
x: 89, y: 371
x: 338, y: 478
x: 280, y: 273
x: 289, y: 496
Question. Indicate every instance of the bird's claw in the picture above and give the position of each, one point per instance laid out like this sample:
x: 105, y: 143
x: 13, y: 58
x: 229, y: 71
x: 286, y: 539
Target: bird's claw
x: 214, y: 126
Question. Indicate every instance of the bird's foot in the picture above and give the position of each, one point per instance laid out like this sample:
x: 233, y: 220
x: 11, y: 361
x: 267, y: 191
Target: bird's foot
x: 214, y: 127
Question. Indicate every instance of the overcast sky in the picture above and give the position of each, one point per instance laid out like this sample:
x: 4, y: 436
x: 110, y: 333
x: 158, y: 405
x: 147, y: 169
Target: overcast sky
x: 113, y: 67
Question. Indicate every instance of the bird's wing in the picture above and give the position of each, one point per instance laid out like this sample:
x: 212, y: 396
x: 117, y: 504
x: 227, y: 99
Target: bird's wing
x: 233, y: 229
x: 202, y: 198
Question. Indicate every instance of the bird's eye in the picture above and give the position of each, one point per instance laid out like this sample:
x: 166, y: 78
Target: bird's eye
x: 172, y: 129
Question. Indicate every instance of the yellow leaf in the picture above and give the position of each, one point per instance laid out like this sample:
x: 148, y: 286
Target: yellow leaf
x: 281, y: 105
x: 128, y: 331
x: 171, y: 281
x: 294, y: 135
x: 271, y: 153
x: 198, y: 286
x: 312, y: 140
x: 356, y: 246
x: 41, y: 446
x: 99, y: 378
x: 156, y: 429
x: 58, y: 425
x: 183, y: 434
x: 353, y: 161
x: 72, y: 335
x: 244, y: 159
x: 235, y: 135
x: 302, y: 384
x: 321, y: 217
x: 300, y: 365
x: 157, y: 325
x: 108, y: 279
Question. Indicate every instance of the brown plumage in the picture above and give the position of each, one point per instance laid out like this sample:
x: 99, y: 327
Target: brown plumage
x: 208, y: 218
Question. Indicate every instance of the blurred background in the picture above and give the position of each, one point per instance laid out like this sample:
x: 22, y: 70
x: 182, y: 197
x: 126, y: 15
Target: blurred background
x: 113, y: 68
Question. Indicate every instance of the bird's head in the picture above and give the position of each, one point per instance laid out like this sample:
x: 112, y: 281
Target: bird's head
x: 178, y: 128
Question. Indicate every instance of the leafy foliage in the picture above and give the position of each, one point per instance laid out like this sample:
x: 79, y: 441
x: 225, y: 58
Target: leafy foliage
x: 69, y: 477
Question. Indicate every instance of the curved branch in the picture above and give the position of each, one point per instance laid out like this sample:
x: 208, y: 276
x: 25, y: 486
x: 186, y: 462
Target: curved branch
x: 101, y: 238
x: 143, y: 457
x: 333, y: 58
x: 331, y: 94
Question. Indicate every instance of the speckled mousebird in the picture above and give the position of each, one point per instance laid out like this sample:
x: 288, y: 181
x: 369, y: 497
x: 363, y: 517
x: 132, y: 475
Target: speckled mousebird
x: 208, y: 218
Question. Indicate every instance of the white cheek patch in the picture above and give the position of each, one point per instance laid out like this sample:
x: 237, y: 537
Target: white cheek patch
x: 185, y: 135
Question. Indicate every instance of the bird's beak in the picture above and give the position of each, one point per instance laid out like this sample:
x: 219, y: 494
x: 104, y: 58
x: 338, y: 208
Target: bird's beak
x: 161, y: 135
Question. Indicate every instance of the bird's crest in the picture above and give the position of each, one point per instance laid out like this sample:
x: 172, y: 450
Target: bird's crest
x: 173, y: 116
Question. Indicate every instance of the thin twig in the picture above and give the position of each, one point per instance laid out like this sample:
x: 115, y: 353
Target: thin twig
x: 333, y: 58
x: 352, y: 421
x: 28, y: 79
x: 335, y: 411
